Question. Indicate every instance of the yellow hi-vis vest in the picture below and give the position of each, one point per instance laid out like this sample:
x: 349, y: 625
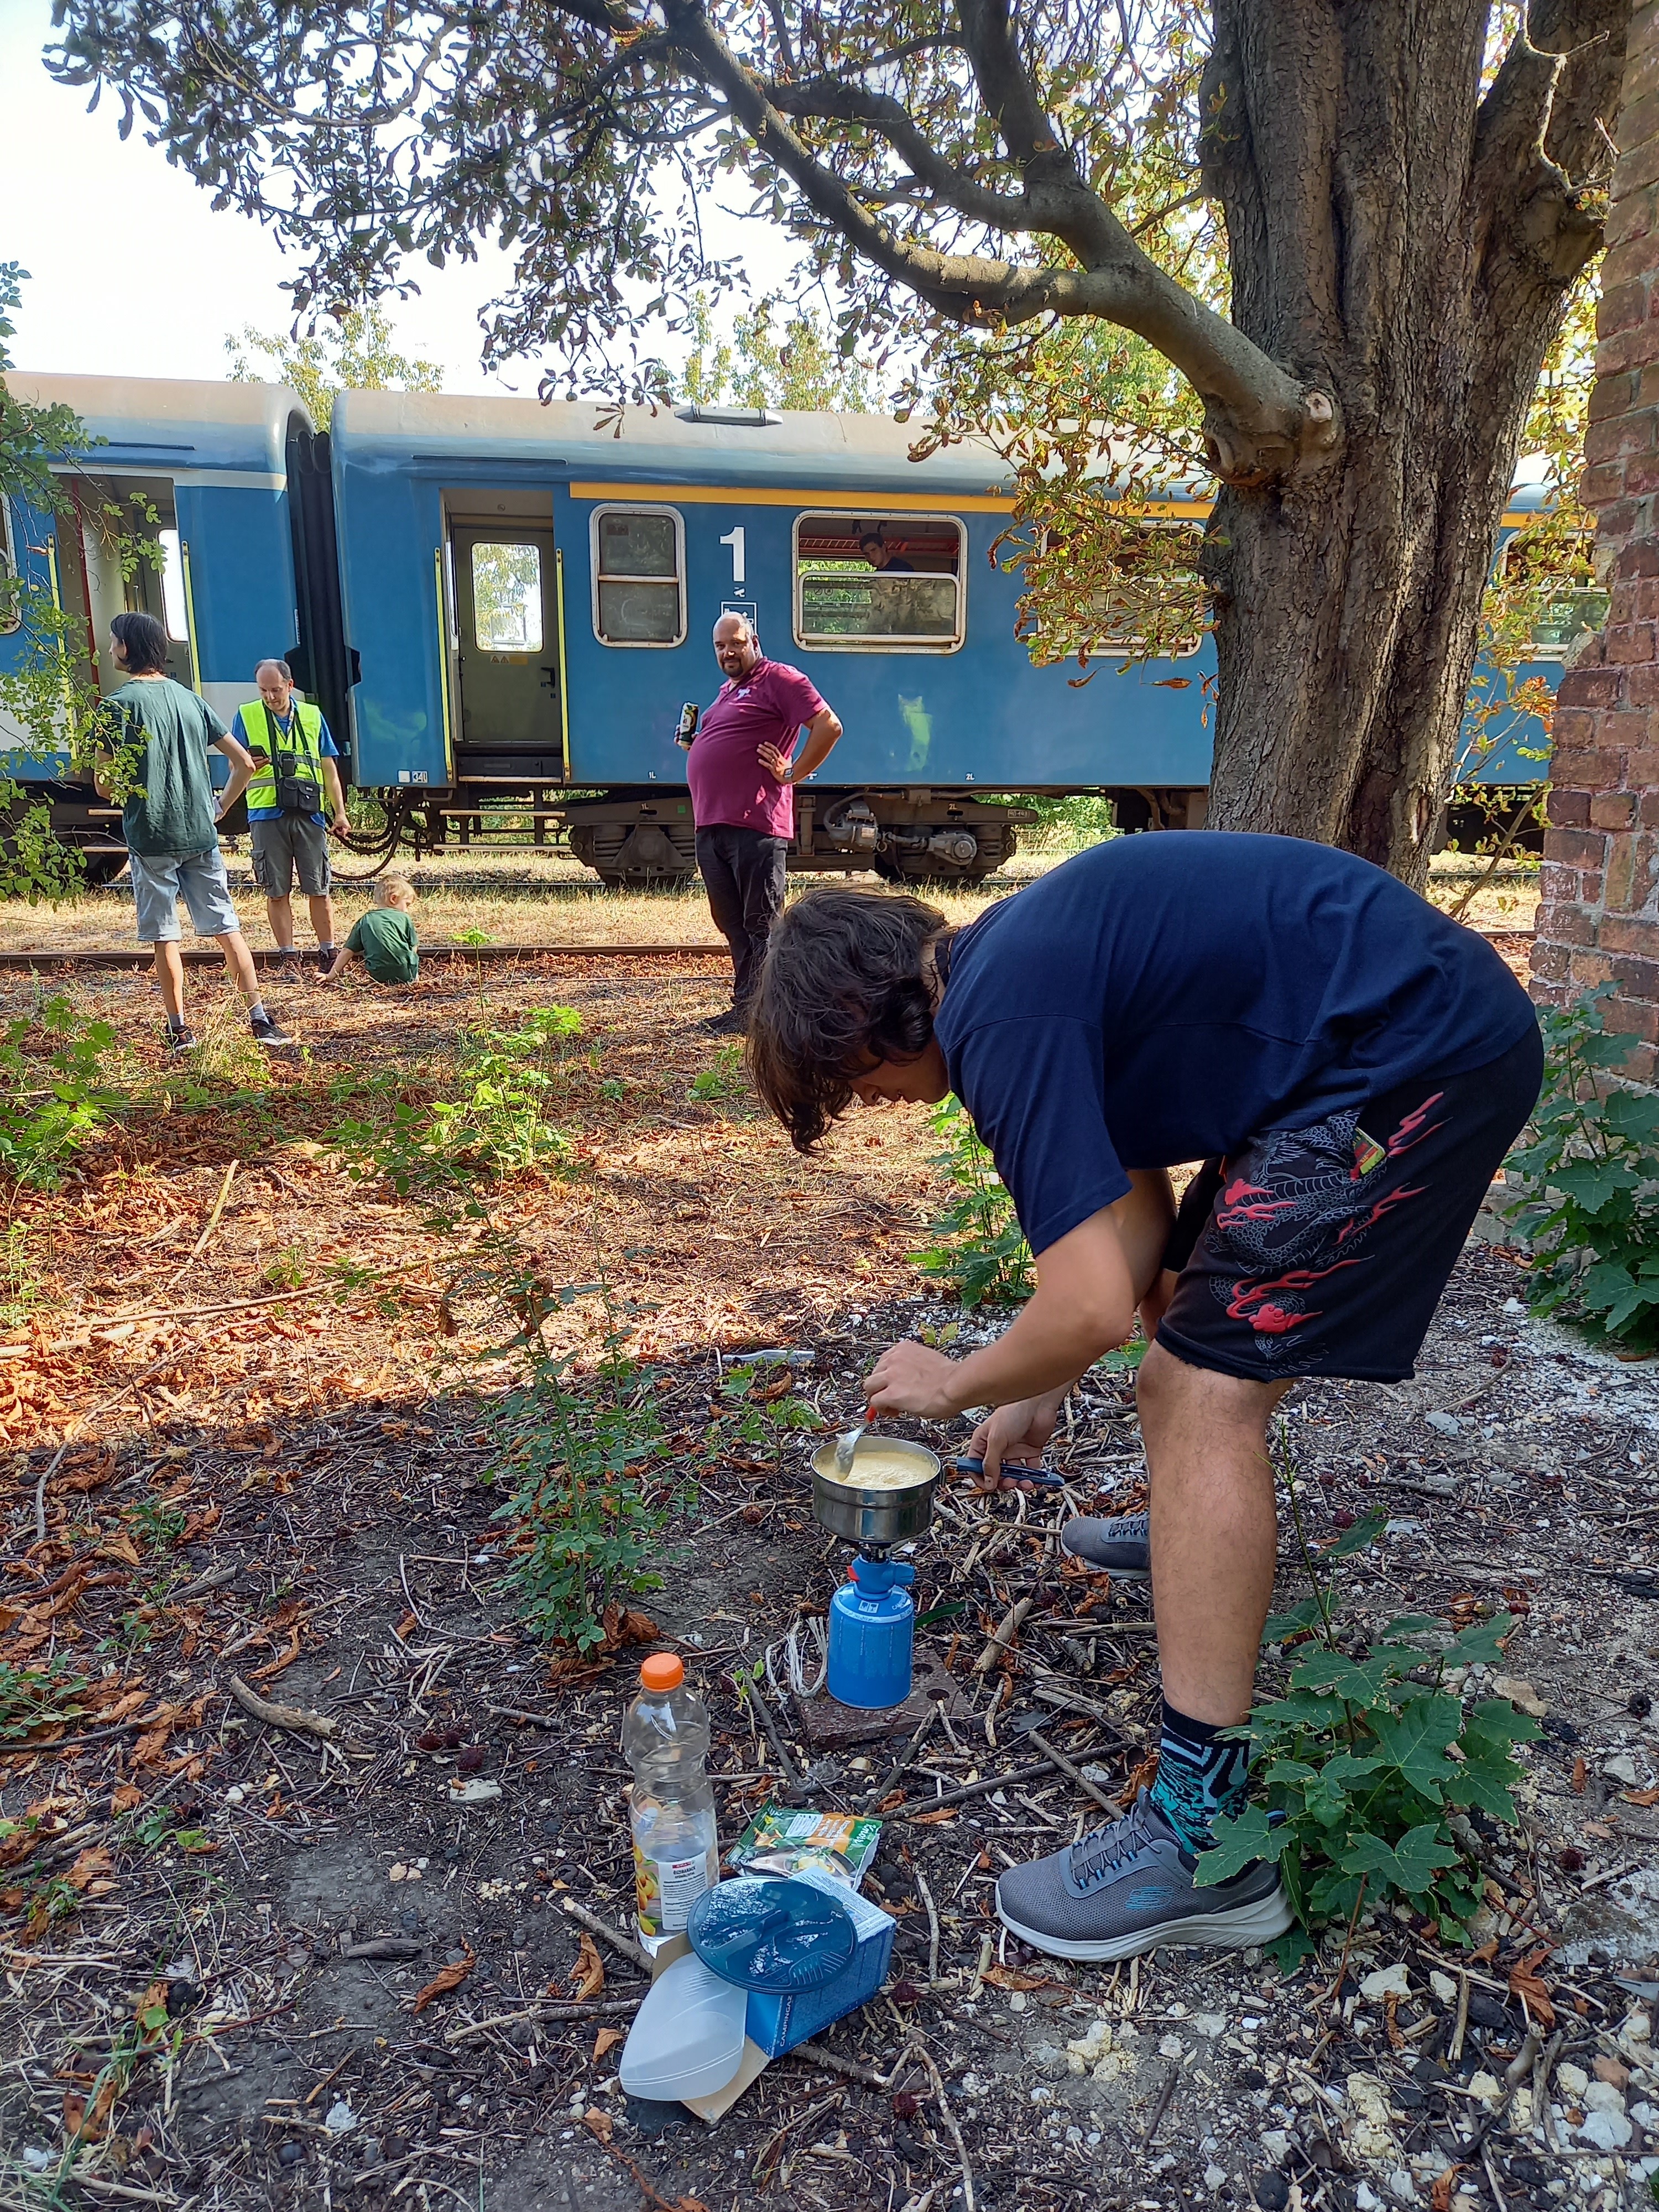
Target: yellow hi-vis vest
x: 291, y: 774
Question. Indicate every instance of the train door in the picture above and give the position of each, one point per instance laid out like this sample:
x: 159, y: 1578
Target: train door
x: 128, y: 556
x: 507, y: 617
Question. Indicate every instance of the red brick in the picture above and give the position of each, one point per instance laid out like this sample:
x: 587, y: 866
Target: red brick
x: 1624, y: 305
x: 1642, y: 687
x: 1641, y: 768
x: 1625, y: 643
x: 1579, y: 848
x: 1617, y: 521
x: 1637, y: 934
x: 1549, y: 962
x: 1604, y: 482
x: 1613, y: 810
x: 1588, y: 970
x: 1644, y: 599
x: 1573, y: 925
x: 1568, y: 810
x: 1638, y: 118
x: 1630, y: 217
x: 1622, y: 893
x: 1618, y: 395
x: 1557, y: 886
x: 1632, y: 1018
x: 1575, y: 727
x: 1586, y: 771
x: 1649, y: 809
x: 1641, y: 474
x: 1591, y: 884
x: 1638, y: 980
x: 1588, y: 685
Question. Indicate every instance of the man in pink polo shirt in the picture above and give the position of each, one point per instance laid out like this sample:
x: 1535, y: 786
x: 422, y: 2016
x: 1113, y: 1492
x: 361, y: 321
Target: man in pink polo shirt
x: 742, y: 776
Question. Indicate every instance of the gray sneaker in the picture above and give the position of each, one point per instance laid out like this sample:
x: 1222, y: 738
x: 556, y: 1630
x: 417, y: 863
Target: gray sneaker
x: 1125, y: 1889
x: 1123, y: 1547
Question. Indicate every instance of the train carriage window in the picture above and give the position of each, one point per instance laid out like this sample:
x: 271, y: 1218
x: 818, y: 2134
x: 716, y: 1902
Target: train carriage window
x: 173, y: 587
x: 639, y: 575
x: 869, y: 582
x: 506, y: 597
x: 11, y: 609
x: 1550, y: 586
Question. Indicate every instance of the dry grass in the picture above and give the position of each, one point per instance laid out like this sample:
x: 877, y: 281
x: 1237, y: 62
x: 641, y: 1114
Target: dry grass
x: 531, y: 899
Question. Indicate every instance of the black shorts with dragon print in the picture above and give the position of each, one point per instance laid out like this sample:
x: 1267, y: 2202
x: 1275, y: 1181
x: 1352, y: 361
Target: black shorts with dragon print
x: 1324, y: 1251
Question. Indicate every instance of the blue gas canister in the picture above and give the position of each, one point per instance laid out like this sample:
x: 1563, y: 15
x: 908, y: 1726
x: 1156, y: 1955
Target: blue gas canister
x: 872, y: 1634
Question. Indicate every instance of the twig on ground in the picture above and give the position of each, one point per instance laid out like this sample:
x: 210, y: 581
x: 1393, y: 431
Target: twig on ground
x: 948, y: 2121
x: 792, y: 1781
x: 1003, y: 1636
x: 200, y: 1245
x: 979, y: 1788
x: 594, y: 2008
x: 290, y: 1718
x: 814, y: 2054
x: 932, y: 1925
x: 899, y: 1764
x: 623, y: 1944
x: 1160, y: 2106
x: 214, y: 1578
x: 1112, y: 1810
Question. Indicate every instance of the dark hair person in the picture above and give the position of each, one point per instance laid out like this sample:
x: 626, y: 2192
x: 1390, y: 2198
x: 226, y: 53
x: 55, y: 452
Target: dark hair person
x: 1350, y: 1064
x: 145, y: 642
x: 847, y: 985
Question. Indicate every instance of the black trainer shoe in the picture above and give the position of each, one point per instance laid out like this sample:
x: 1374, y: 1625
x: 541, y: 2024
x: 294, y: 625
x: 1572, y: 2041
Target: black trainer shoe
x: 733, y: 1022
x: 324, y: 957
x: 288, y: 969
x: 1123, y: 1547
x: 269, y: 1033
x: 185, y: 1040
x: 1125, y: 1889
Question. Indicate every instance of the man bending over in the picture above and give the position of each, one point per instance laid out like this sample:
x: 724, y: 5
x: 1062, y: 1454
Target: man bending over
x: 1349, y: 1066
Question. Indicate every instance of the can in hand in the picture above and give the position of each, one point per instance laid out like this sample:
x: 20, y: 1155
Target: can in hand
x: 687, y: 727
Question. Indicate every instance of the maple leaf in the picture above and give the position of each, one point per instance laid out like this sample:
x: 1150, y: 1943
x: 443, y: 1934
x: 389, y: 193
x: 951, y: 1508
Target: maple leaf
x: 597, y: 2123
x: 93, y: 1864
x: 451, y: 1978
x: 606, y: 2039
x: 587, y: 1975
x: 1441, y: 2195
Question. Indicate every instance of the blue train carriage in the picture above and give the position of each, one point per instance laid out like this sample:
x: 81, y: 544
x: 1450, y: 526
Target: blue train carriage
x: 532, y: 592
x: 207, y: 474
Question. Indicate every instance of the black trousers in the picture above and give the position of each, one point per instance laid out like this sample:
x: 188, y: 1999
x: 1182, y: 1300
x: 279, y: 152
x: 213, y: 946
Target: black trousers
x: 742, y: 872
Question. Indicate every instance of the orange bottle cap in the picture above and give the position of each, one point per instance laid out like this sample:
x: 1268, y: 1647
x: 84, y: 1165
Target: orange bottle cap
x: 662, y: 1671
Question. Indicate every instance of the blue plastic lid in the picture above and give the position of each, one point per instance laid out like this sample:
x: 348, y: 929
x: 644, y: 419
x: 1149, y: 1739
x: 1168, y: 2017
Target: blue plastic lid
x: 771, y: 1936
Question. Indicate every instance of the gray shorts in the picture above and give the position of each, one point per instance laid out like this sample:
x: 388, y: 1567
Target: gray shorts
x: 159, y: 880
x: 289, y: 843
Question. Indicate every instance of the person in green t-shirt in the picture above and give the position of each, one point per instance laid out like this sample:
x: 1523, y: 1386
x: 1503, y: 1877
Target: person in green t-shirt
x: 384, y: 939
x: 153, y: 742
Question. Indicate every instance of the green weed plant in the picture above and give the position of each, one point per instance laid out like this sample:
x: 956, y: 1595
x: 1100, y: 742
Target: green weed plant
x: 37, y: 1697
x: 54, y: 1094
x: 763, y: 1409
x: 978, y: 1248
x: 496, y: 1125
x: 573, y: 1451
x: 1590, y: 1161
x: 1367, y: 1757
x: 722, y: 1078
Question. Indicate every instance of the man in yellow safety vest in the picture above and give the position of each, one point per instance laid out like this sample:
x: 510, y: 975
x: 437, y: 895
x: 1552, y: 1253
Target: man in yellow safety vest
x: 294, y: 800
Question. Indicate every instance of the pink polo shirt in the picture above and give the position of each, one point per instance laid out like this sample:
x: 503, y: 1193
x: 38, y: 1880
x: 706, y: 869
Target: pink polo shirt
x: 767, y: 707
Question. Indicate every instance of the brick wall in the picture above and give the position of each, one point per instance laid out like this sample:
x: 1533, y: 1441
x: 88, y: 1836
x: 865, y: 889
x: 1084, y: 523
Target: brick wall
x: 1598, y: 918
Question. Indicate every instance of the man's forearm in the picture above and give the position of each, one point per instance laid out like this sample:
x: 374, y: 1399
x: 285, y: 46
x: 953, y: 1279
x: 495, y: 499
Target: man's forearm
x: 823, y: 734
x: 1045, y: 1351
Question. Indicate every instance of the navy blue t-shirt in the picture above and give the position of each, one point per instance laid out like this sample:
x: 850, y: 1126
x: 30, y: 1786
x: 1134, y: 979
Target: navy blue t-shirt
x: 1163, y: 997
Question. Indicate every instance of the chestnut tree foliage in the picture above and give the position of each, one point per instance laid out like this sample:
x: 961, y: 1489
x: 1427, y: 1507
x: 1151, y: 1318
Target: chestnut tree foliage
x: 1311, y: 251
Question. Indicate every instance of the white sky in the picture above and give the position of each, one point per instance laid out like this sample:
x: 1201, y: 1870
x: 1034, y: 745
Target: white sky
x: 75, y: 201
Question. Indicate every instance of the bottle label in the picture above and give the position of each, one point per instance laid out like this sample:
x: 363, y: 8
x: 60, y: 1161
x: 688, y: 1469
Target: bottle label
x: 666, y: 1890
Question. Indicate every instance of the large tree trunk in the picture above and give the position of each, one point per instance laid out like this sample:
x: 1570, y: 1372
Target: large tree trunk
x: 1415, y: 267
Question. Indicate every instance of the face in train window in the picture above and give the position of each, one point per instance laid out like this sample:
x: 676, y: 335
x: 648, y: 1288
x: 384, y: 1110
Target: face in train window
x: 506, y: 597
x: 865, y: 581
x: 639, y: 572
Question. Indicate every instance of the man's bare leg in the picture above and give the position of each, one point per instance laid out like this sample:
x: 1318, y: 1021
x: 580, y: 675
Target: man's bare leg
x: 170, y: 978
x: 1213, y: 1537
x: 321, y: 908
x: 239, y: 961
x: 280, y: 913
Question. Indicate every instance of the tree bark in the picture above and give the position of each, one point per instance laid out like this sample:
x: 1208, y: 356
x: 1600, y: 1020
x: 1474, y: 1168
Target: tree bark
x: 1411, y: 255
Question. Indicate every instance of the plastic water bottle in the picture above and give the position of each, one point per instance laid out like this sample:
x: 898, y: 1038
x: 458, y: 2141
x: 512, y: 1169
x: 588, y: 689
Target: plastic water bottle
x: 676, y: 1851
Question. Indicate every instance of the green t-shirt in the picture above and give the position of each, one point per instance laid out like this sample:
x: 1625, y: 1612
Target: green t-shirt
x: 161, y: 735
x: 385, y: 938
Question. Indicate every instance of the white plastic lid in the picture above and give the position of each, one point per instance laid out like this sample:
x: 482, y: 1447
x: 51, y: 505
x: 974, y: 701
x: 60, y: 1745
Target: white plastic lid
x: 687, y: 2037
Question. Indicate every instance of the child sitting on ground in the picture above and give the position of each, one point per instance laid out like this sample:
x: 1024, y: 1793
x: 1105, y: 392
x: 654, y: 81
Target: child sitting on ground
x: 383, y: 938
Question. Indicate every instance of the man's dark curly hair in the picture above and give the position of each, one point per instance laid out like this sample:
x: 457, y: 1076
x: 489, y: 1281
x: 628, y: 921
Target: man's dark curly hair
x: 842, y: 981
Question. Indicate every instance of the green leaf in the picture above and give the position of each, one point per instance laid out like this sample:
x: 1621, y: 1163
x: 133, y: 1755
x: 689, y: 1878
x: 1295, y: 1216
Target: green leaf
x: 1415, y: 1740
x: 1479, y: 1643
x: 1240, y: 1842
x: 1356, y: 1682
x: 1280, y: 1626
x: 1409, y: 1867
x: 1410, y: 1624
x: 1363, y: 1533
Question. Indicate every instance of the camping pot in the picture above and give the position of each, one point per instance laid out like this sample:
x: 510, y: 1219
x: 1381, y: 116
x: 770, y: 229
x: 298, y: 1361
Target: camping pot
x: 875, y: 1517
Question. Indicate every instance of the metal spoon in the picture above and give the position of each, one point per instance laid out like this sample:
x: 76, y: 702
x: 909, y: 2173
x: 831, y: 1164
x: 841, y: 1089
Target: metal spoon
x: 847, y: 1443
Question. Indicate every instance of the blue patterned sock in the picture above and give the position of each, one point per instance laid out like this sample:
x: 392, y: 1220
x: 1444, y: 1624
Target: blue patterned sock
x: 1200, y: 1773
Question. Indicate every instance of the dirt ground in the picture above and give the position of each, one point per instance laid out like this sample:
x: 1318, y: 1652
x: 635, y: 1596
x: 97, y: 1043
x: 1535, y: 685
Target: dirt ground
x: 248, y: 1399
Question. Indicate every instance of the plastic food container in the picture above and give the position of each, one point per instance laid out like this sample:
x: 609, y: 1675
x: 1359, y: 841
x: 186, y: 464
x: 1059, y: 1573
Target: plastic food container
x: 687, y: 2037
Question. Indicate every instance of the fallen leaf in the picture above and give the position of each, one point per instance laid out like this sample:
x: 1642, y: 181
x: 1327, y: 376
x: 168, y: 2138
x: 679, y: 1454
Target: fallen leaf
x: 1528, y: 1986
x: 587, y: 1975
x: 1440, y: 2196
x: 1005, y: 1977
x: 1610, y: 2070
x: 92, y: 1863
x: 405, y: 1628
x: 606, y: 2039
x: 151, y: 2011
x: 1580, y: 1773
x: 597, y: 2123
x: 450, y: 1979
x: 124, y: 1797
x: 1641, y: 1796
x: 935, y: 1820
